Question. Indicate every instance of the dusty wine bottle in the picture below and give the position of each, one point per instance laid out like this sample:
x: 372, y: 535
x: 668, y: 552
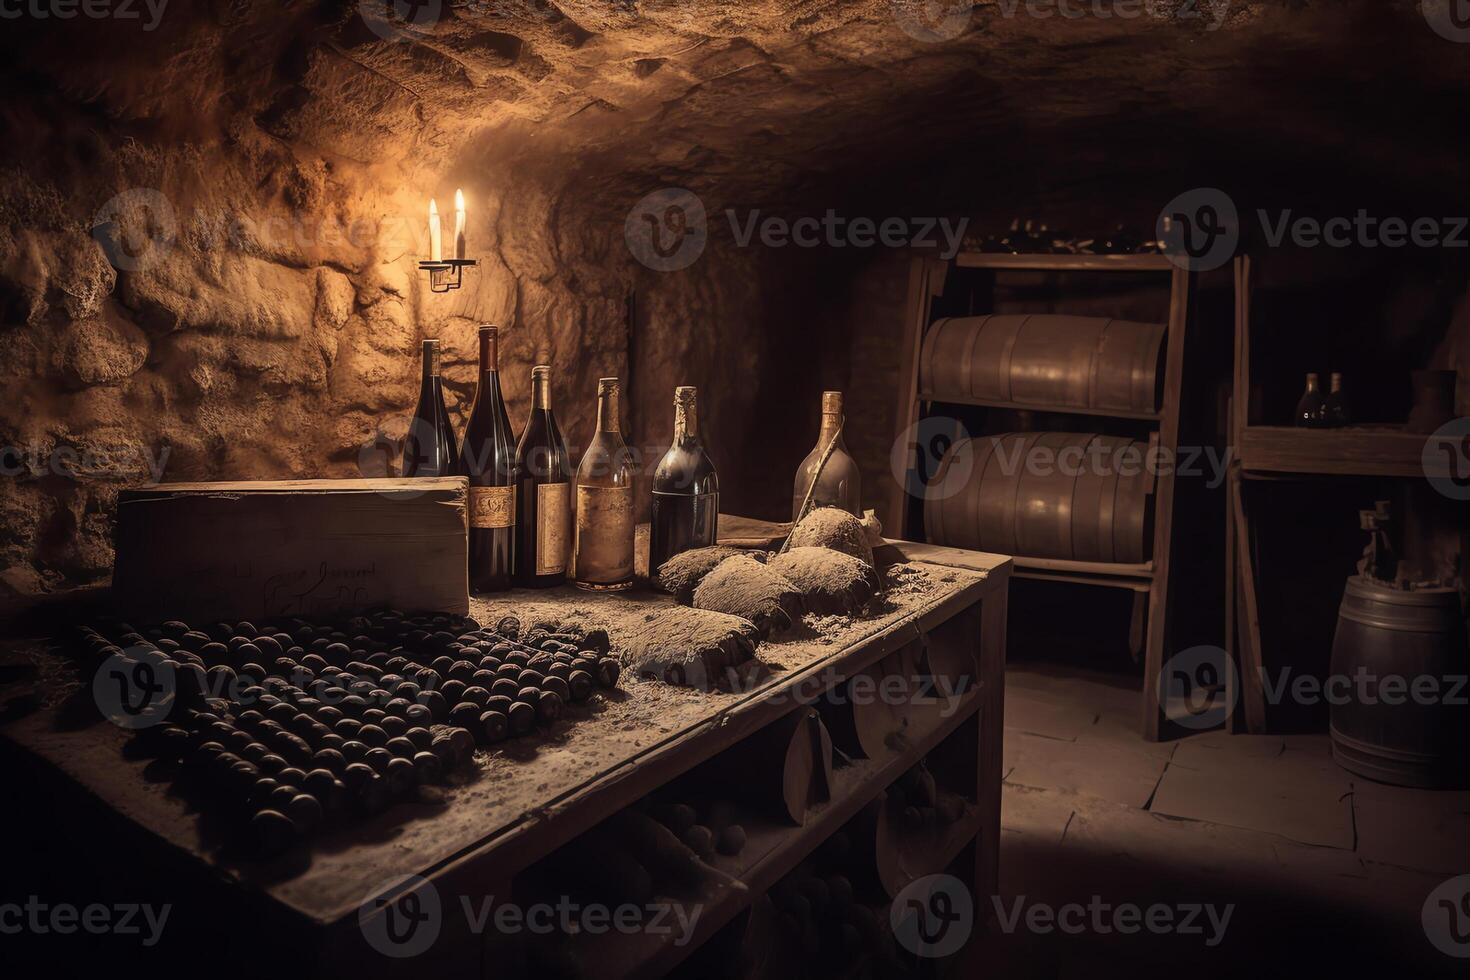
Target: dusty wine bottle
x: 1335, y: 410
x: 686, y: 490
x: 429, y: 449
x: 543, y: 485
x: 488, y: 458
x: 839, y: 484
x: 1311, y: 406
x: 602, y: 542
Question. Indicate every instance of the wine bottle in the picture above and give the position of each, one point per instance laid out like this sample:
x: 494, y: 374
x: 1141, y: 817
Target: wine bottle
x: 488, y: 458
x: 429, y: 449
x: 602, y: 541
x: 1310, y: 407
x: 543, y: 485
x: 1335, y: 410
x: 686, y: 490
x: 839, y: 484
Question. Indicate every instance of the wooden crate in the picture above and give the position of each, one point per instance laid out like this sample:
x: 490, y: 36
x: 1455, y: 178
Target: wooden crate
x: 314, y: 548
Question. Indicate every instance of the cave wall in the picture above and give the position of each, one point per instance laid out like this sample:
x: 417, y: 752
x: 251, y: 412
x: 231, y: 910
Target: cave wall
x: 209, y: 228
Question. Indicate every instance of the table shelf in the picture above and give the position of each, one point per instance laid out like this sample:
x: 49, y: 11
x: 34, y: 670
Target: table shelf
x: 771, y: 852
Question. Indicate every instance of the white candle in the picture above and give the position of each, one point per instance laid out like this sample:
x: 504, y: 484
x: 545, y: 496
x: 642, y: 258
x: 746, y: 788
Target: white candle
x: 435, y: 251
x: 459, y: 224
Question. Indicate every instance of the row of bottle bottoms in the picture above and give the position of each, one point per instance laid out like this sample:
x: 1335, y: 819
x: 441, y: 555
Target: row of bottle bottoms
x: 535, y: 523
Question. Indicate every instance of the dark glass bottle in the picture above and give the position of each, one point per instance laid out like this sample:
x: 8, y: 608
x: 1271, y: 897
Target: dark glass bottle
x: 1335, y: 410
x: 840, y: 484
x: 429, y: 449
x: 543, y: 488
x: 602, y: 542
x: 686, y: 490
x: 1310, y: 408
x: 488, y: 458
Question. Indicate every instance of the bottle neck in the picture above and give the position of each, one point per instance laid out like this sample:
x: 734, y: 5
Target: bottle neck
x: 686, y: 421
x: 489, y: 352
x: 607, y: 411
x: 1311, y: 382
x: 431, y: 361
x: 1335, y: 385
x: 541, y: 392
x: 831, y: 427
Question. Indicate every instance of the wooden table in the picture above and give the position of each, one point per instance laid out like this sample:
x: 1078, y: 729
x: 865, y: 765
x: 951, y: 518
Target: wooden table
x: 532, y: 795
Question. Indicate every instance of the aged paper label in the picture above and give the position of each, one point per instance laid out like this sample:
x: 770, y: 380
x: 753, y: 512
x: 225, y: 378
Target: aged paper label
x: 553, y: 515
x: 492, y: 506
x: 602, y: 551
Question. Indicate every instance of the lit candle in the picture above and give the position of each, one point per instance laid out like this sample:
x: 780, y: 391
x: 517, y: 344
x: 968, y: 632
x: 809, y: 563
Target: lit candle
x: 435, y: 252
x: 459, y: 224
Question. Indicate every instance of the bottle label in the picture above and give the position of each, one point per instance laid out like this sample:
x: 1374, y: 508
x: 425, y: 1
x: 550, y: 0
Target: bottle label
x: 492, y: 507
x: 552, y: 520
x: 602, y: 552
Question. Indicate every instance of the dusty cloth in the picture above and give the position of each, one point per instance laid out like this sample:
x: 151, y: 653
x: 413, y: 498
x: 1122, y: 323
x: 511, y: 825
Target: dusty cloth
x: 829, y: 527
x: 693, y: 648
x: 831, y: 583
x: 744, y: 587
x: 681, y: 574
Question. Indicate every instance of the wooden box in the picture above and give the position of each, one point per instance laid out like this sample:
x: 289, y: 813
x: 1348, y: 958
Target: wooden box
x: 310, y: 548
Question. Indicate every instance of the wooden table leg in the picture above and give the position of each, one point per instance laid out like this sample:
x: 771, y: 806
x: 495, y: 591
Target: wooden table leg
x: 992, y: 663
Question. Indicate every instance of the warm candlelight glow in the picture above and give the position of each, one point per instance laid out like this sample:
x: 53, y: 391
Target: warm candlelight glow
x: 435, y: 250
x: 459, y: 252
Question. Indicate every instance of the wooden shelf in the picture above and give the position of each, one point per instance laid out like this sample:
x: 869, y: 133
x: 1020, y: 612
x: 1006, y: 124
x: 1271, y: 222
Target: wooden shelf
x: 1146, y: 262
x: 1349, y: 451
x: 1112, y: 575
x: 772, y: 851
x: 1054, y: 409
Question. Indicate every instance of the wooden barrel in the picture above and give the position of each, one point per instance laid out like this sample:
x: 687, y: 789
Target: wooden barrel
x: 1387, y: 642
x: 1067, y: 495
x: 1046, y: 360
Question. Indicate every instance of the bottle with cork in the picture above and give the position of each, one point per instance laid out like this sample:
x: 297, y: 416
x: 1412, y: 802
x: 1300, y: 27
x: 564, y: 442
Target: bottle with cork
x: 828, y: 477
x: 686, y: 489
x: 602, y: 538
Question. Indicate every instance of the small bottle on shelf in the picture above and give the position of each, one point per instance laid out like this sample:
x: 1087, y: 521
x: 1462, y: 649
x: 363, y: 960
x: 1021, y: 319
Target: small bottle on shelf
x: 686, y: 490
x: 1311, y: 406
x: 543, y: 500
x: 839, y: 484
x: 602, y: 542
x: 429, y: 449
x: 1335, y: 410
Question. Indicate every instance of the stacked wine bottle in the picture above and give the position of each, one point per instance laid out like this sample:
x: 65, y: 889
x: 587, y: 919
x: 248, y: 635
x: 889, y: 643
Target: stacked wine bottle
x: 533, y: 521
x: 298, y: 724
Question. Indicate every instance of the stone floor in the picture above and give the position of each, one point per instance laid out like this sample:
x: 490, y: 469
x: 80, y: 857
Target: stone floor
x: 1317, y: 868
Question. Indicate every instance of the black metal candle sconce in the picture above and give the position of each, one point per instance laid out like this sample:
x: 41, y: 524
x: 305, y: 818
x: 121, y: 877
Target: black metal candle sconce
x: 446, y: 274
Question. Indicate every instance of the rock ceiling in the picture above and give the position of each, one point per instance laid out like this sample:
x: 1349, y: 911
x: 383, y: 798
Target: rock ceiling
x: 766, y: 96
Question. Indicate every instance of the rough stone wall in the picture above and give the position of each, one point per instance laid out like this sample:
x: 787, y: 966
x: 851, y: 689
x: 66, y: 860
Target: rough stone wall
x: 209, y: 228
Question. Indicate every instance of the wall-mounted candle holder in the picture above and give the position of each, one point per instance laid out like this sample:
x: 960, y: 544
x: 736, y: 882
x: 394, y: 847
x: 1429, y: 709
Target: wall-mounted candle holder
x: 446, y: 274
